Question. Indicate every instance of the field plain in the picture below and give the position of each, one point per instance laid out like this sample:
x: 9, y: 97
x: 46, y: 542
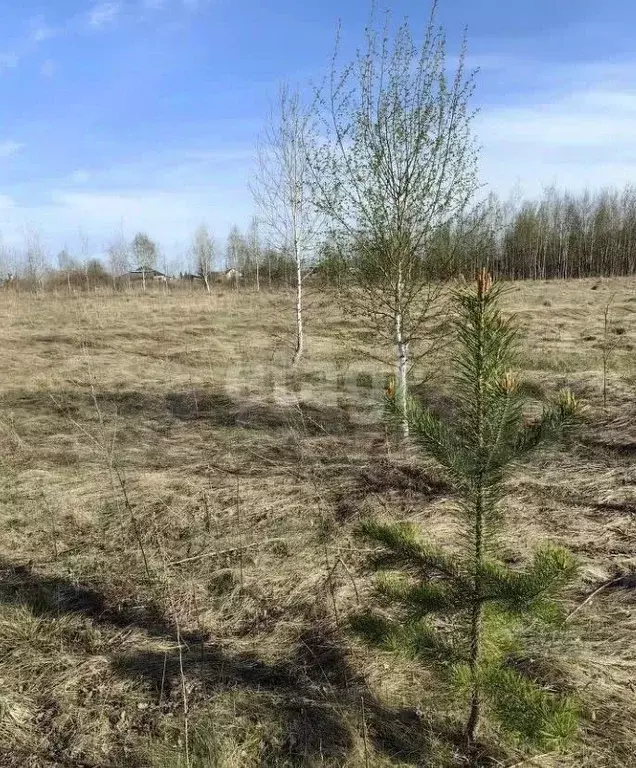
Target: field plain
x: 177, y: 558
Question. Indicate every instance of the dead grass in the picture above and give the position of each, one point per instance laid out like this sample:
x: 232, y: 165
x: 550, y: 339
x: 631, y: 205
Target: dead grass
x: 177, y: 554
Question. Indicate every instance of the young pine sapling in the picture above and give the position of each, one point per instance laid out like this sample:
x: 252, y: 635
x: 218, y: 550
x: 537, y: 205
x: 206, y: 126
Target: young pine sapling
x: 467, y: 611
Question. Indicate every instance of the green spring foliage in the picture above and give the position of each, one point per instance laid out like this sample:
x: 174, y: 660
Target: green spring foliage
x: 467, y: 613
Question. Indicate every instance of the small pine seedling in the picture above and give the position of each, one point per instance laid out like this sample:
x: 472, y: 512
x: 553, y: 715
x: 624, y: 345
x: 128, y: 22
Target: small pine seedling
x: 467, y: 613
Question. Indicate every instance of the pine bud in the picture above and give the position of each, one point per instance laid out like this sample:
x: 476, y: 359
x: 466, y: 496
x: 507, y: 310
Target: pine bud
x: 484, y: 282
x: 509, y: 382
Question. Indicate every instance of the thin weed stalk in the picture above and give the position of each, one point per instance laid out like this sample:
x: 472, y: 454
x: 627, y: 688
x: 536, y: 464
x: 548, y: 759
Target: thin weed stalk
x: 609, y: 345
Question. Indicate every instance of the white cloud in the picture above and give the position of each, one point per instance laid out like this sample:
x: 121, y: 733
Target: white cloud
x: 38, y: 32
x: 169, y: 213
x: 9, y: 60
x: 103, y: 13
x: 112, y: 206
x: 48, y: 68
x: 80, y: 176
x: 41, y: 31
x: 8, y: 148
x: 6, y: 202
x: 554, y: 126
x: 575, y: 129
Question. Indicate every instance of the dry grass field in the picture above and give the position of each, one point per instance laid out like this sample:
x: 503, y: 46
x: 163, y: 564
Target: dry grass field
x: 177, y: 559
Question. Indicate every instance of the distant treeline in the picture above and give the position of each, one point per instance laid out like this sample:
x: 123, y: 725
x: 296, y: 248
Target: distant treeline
x: 559, y: 236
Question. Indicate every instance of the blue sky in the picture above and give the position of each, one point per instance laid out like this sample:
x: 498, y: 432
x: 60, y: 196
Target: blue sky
x: 143, y: 114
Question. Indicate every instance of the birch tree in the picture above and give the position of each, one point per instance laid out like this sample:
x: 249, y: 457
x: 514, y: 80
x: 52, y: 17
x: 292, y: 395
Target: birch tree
x: 145, y: 252
x: 283, y: 193
x: 67, y: 264
x: 234, y: 252
x: 254, y: 248
x: 35, y: 258
x: 397, y: 162
x: 204, y: 252
x: 85, y: 256
x: 118, y: 256
x: 11, y: 265
x: 6, y: 266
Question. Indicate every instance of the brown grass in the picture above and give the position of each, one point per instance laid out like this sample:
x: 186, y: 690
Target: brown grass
x: 177, y: 554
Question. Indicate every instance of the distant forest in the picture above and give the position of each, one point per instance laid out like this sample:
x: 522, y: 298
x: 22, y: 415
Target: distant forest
x: 561, y: 235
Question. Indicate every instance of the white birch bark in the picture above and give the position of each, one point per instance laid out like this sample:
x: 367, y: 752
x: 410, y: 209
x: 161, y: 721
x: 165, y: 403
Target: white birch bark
x: 401, y: 355
x: 300, y: 335
x: 402, y: 367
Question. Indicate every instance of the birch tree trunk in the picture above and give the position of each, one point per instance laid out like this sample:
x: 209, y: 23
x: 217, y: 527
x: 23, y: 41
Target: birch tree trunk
x: 401, y: 366
x: 402, y: 360
x: 300, y: 335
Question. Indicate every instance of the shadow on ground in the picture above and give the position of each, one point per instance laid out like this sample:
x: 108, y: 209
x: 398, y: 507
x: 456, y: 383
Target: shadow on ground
x: 313, y: 693
x: 317, y: 696
x: 54, y: 595
x: 215, y: 407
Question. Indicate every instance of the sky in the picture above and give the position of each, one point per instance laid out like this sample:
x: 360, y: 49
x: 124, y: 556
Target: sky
x: 128, y: 115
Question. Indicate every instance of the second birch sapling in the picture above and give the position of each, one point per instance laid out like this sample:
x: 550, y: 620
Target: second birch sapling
x: 283, y: 195
x: 468, y: 612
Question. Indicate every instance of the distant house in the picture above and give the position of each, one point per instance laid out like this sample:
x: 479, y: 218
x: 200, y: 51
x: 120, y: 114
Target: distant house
x: 224, y: 278
x: 230, y: 275
x: 142, y: 275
